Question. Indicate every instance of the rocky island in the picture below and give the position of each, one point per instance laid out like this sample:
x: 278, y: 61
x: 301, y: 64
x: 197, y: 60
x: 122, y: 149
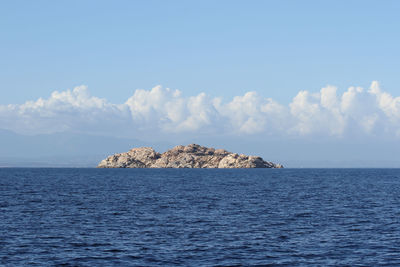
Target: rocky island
x: 190, y: 156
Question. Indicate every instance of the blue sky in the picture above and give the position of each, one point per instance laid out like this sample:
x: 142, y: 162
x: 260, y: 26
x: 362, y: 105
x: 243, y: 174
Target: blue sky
x: 224, y: 48
x: 234, y: 73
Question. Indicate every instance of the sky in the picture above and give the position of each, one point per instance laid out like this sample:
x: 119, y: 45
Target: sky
x: 289, y: 71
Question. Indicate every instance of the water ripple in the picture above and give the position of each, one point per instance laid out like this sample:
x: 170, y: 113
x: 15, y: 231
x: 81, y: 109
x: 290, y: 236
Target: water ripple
x: 90, y: 217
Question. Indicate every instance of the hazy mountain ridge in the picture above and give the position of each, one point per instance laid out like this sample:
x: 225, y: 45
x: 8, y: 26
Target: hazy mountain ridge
x: 59, y: 149
x: 87, y: 150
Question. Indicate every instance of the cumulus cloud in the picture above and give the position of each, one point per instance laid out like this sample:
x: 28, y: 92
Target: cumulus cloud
x: 167, y: 111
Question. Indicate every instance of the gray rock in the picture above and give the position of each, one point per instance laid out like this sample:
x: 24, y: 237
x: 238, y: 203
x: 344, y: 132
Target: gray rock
x: 190, y: 156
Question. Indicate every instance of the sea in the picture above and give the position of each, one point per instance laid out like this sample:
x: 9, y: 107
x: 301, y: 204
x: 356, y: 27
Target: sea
x: 199, y: 217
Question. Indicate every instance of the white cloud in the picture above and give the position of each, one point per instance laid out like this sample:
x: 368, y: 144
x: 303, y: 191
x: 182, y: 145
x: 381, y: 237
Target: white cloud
x: 166, y: 111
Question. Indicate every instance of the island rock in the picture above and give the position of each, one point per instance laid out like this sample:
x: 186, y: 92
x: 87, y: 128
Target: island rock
x: 190, y: 156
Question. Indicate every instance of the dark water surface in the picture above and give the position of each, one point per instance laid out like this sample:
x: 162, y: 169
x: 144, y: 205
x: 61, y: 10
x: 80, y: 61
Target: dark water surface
x: 145, y: 217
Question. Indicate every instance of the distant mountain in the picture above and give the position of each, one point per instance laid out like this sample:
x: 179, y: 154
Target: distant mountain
x: 62, y: 149
x: 87, y: 150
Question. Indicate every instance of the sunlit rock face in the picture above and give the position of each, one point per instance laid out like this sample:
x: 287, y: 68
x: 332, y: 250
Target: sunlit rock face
x: 190, y: 156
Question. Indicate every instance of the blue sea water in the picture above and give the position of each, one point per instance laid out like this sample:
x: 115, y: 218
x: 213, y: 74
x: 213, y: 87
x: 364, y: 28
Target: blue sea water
x: 195, y: 217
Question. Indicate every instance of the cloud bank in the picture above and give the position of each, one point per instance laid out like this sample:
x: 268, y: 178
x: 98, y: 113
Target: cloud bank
x: 357, y: 111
